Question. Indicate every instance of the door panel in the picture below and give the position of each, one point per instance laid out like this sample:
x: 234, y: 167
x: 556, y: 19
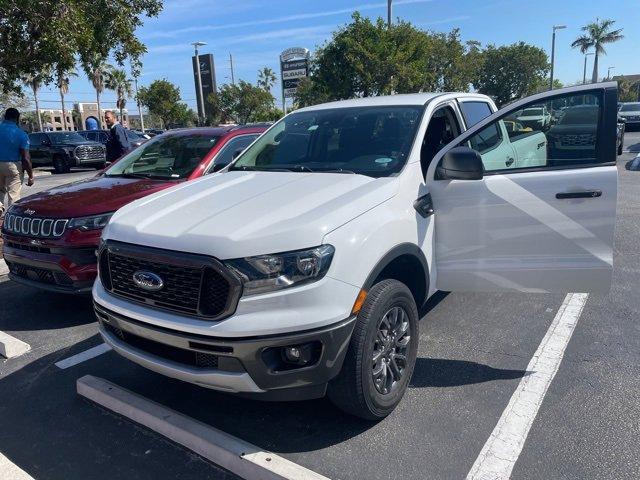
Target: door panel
x: 514, y: 229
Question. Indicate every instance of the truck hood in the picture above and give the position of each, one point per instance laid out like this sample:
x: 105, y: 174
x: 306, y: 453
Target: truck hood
x: 239, y: 214
x: 100, y: 194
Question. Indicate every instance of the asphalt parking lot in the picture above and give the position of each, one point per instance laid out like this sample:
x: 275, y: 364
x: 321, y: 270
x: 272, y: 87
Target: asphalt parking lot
x: 475, y: 350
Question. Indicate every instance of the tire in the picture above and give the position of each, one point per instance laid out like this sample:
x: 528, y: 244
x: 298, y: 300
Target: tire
x: 60, y: 164
x: 354, y: 390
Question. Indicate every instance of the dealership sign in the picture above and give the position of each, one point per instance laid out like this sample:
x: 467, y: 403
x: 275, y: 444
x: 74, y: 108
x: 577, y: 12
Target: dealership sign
x: 294, y: 66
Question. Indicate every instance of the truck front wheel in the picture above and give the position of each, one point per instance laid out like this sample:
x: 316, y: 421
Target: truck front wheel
x: 381, y: 355
x: 60, y: 164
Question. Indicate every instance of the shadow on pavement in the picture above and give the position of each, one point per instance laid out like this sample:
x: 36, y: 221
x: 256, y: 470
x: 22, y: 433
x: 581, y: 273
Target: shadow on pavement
x: 438, y: 372
x: 52, y: 433
x: 27, y: 308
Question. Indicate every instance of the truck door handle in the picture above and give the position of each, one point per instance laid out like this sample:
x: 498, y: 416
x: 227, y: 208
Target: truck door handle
x: 583, y: 194
x: 509, y: 161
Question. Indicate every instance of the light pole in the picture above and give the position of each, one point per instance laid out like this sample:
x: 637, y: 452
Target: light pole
x: 553, y: 50
x: 609, y: 72
x: 584, y: 71
x: 389, y: 13
x: 199, y: 80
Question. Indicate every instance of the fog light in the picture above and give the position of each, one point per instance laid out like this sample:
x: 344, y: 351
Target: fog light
x: 292, y: 354
x: 297, y: 355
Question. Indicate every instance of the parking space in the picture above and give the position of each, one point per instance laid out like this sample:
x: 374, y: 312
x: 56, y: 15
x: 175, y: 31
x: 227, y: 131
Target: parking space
x: 474, y: 353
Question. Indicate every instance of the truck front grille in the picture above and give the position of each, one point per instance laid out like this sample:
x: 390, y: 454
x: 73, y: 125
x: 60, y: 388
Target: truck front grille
x: 86, y: 153
x: 191, y: 284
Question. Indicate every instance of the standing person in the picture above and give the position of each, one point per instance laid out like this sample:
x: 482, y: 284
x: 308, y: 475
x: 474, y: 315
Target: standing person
x: 14, y: 159
x: 118, y: 143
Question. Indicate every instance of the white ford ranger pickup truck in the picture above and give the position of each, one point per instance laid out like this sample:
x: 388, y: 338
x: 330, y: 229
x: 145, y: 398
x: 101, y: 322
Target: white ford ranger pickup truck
x: 300, y: 270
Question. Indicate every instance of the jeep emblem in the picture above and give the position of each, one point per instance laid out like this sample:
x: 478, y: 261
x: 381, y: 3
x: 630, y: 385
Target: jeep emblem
x: 29, y: 211
x: 148, y: 281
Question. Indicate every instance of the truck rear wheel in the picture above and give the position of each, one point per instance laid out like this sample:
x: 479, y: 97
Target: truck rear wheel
x: 60, y: 164
x: 381, y: 355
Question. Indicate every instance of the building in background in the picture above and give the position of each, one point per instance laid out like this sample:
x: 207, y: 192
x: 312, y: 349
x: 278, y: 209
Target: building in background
x: 52, y: 120
x: 89, y: 115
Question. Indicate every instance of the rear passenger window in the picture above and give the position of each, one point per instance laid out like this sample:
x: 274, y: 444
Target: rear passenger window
x: 474, y: 112
x: 561, y: 132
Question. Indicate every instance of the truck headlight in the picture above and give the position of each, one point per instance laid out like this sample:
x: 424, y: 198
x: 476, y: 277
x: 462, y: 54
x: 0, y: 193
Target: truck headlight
x: 94, y: 222
x: 267, y: 273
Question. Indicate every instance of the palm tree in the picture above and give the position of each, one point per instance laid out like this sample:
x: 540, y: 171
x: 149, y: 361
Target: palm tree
x: 62, y: 82
x: 35, y: 81
x: 96, y: 69
x: 266, y: 78
x: 117, y: 81
x: 597, y: 34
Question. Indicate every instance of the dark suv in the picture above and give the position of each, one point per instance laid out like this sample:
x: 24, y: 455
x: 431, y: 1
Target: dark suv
x: 64, y: 150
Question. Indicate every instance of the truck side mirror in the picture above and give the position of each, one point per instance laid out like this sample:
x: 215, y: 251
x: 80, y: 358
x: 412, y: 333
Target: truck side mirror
x: 460, y: 163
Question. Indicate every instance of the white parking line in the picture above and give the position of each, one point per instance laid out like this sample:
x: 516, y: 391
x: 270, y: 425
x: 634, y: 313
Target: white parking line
x: 83, y: 356
x: 500, y: 453
x: 240, y: 457
x: 11, y: 347
x: 10, y: 471
x: 4, y: 270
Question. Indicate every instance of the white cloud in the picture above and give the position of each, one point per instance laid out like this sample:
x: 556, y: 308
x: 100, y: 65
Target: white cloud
x: 267, y: 21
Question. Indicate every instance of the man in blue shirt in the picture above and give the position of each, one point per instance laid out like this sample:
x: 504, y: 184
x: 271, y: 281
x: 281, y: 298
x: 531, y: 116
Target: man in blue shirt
x: 14, y: 159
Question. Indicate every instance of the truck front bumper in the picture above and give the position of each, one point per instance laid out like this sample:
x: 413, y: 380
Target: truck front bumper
x: 249, y: 365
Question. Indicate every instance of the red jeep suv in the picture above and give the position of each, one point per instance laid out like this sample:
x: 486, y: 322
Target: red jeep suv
x: 50, y: 238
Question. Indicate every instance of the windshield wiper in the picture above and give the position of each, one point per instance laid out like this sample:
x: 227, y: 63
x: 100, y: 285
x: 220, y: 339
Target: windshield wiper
x: 337, y: 170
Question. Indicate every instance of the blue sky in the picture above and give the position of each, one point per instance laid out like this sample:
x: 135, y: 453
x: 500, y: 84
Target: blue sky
x: 256, y: 31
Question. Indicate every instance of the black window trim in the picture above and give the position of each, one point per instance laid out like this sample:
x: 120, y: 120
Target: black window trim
x: 606, y: 92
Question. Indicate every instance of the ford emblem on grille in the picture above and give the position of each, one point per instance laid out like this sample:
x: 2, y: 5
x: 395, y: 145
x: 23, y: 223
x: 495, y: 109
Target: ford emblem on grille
x: 148, y: 281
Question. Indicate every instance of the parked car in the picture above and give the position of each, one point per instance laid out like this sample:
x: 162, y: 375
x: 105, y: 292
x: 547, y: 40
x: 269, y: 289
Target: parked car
x: 103, y: 135
x: 300, y: 270
x: 50, y: 238
x: 64, y: 150
x: 536, y: 118
x: 630, y: 111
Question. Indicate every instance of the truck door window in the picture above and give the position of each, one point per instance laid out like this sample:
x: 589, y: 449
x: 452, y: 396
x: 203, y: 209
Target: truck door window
x: 442, y: 129
x: 561, y: 132
x: 474, y: 112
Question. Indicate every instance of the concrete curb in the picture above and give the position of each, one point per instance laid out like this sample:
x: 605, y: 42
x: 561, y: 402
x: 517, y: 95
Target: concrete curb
x: 11, y: 347
x: 239, y: 457
x: 4, y: 270
x: 41, y: 173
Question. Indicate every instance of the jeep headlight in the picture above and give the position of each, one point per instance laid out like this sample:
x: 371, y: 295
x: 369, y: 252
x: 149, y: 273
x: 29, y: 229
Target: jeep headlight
x: 94, y: 222
x: 267, y: 273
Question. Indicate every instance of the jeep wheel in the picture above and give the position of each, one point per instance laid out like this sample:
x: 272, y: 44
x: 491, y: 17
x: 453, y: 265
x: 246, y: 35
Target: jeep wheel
x: 381, y: 355
x: 60, y: 164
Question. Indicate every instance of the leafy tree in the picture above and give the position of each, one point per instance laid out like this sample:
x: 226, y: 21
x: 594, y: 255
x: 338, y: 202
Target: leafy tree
x: 243, y: 103
x: 62, y: 82
x: 511, y: 71
x: 367, y: 58
x: 597, y: 35
x: 12, y: 99
x: 37, y: 34
x: 117, y: 81
x: 162, y: 98
x: 97, y: 68
x: 628, y: 91
x: 266, y: 78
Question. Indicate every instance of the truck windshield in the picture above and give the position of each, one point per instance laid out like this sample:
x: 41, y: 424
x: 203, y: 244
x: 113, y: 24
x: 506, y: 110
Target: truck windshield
x: 65, y: 137
x: 373, y: 141
x: 630, y: 107
x: 165, y: 157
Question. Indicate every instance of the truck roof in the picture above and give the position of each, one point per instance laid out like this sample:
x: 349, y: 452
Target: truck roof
x: 394, y: 100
